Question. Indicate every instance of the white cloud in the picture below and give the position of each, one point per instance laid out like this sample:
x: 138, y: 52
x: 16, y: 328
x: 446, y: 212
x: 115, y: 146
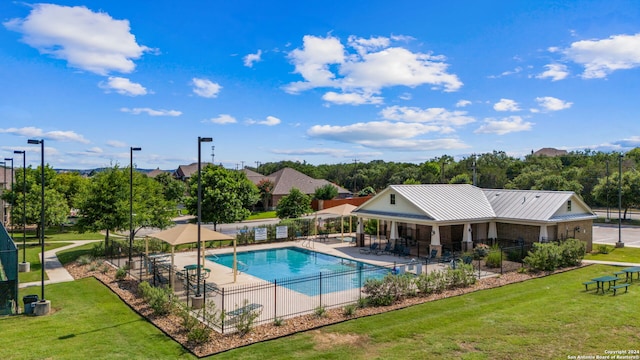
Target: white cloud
x: 57, y: 135
x: 95, y: 150
x: 252, y: 58
x: 604, y: 56
x: 438, y: 116
x: 549, y: 103
x: 405, y: 96
x: 152, y: 112
x: 314, y: 151
x: 463, y: 103
x: 371, y: 131
x: 506, y: 105
x: 351, y: 98
x: 116, y: 143
x: 370, y: 65
x: 269, y: 121
x: 504, y: 126
x: 554, y: 72
x: 87, y: 40
x: 222, y: 119
x: 122, y: 86
x: 205, y: 88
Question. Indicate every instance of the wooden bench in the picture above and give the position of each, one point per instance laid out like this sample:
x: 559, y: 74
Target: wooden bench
x: 620, y: 286
x: 587, y: 283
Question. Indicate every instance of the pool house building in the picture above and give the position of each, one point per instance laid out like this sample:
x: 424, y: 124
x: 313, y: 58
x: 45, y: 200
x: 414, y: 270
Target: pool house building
x: 457, y: 217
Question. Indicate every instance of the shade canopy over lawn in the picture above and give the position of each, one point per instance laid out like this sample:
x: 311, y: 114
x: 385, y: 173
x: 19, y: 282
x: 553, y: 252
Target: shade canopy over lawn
x: 188, y: 234
x: 341, y: 211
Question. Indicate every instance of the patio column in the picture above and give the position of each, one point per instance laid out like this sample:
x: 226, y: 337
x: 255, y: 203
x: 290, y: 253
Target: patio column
x: 393, y: 233
x: 493, y: 231
x: 467, y: 244
x: 435, y: 239
x: 543, y: 233
x: 360, y: 232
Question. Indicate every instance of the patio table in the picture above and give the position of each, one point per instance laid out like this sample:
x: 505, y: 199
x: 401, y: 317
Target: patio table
x: 605, y: 279
x: 630, y: 271
x: 193, y: 267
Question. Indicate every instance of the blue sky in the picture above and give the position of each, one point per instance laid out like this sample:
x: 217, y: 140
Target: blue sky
x: 317, y: 81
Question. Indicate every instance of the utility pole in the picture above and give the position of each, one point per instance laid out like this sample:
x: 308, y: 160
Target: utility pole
x: 473, y: 166
x: 213, y: 155
x: 355, y: 167
x: 619, y: 244
x: 608, y: 219
x: 257, y: 165
x: 242, y: 167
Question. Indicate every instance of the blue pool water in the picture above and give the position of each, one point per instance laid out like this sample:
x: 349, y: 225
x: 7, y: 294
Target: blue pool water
x: 286, y: 264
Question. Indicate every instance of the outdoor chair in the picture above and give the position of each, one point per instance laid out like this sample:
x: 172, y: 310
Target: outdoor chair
x: 386, y: 250
x: 372, y: 249
x: 432, y: 256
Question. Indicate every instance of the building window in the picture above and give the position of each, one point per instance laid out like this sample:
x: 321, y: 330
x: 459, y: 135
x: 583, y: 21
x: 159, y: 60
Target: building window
x: 392, y: 199
x: 569, y: 205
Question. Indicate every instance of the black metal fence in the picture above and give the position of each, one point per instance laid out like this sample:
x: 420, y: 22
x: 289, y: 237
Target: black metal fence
x: 8, y: 274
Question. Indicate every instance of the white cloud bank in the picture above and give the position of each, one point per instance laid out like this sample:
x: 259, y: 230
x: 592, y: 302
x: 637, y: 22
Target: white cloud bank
x: 205, y: 88
x: 87, y: 40
x: 57, y: 135
x: 362, y: 67
x: 151, y: 112
x: 504, y: 126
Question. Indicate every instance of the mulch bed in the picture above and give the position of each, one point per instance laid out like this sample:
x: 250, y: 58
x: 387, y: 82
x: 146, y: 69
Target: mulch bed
x: 172, y: 324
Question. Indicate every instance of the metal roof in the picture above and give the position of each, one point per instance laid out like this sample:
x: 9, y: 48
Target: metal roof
x: 446, y: 202
x: 538, y: 205
x: 456, y: 202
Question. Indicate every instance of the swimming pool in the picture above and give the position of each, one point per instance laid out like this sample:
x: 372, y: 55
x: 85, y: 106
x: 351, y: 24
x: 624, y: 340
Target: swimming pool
x: 284, y: 264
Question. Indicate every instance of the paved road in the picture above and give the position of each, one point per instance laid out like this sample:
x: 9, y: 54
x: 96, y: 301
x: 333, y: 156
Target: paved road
x: 609, y: 234
x: 613, y: 214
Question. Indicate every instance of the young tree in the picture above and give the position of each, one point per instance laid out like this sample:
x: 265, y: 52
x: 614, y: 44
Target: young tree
x: 326, y: 192
x: 173, y: 190
x: 226, y: 195
x: 265, y: 186
x: 104, y: 204
x: 293, y: 205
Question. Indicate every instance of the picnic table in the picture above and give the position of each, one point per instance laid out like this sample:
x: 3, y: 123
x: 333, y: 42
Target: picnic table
x: 605, y: 279
x: 193, y: 267
x: 630, y: 271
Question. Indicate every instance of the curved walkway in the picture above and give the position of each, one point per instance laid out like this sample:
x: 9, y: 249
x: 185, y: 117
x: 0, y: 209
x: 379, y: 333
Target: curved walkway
x: 54, y: 269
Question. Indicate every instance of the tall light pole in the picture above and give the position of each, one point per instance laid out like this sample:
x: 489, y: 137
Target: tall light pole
x: 24, y: 208
x: 4, y: 188
x: 12, y: 190
x: 198, y: 270
x: 131, y: 150
x: 619, y: 244
x: 41, y: 142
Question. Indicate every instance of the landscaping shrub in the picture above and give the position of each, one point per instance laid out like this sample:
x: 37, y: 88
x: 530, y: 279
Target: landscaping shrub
x: 603, y: 249
x: 494, y: 258
x: 544, y: 257
x: 390, y: 289
x: 572, y: 251
x: 320, y: 311
x: 160, y: 299
x: 84, y: 259
x: 199, y: 334
x: 121, y: 274
x: 246, y: 318
x: 349, y: 310
x: 480, y: 251
x: 278, y: 321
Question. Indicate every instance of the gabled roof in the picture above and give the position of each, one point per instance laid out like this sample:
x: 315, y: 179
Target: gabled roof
x: 446, y: 202
x: 536, y: 205
x: 253, y: 176
x: 288, y: 178
x: 460, y: 202
x: 186, y: 171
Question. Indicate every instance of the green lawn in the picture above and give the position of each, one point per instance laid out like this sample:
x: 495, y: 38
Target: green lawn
x: 546, y: 318
x: 33, y: 257
x: 550, y: 317
x: 263, y: 215
x: 87, y: 321
x: 625, y: 254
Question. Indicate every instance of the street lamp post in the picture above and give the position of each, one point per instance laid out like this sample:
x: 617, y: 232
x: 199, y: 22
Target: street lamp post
x: 43, y: 310
x: 25, y: 267
x: 130, y: 265
x: 198, y: 271
x: 619, y: 244
x: 4, y: 188
x: 12, y: 190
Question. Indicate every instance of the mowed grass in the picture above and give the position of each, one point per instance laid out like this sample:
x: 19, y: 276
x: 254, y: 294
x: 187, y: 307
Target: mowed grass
x: 546, y: 318
x: 625, y: 254
x: 87, y: 321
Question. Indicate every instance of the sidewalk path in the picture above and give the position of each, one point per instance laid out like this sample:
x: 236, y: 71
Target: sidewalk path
x: 628, y: 264
x: 54, y: 269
